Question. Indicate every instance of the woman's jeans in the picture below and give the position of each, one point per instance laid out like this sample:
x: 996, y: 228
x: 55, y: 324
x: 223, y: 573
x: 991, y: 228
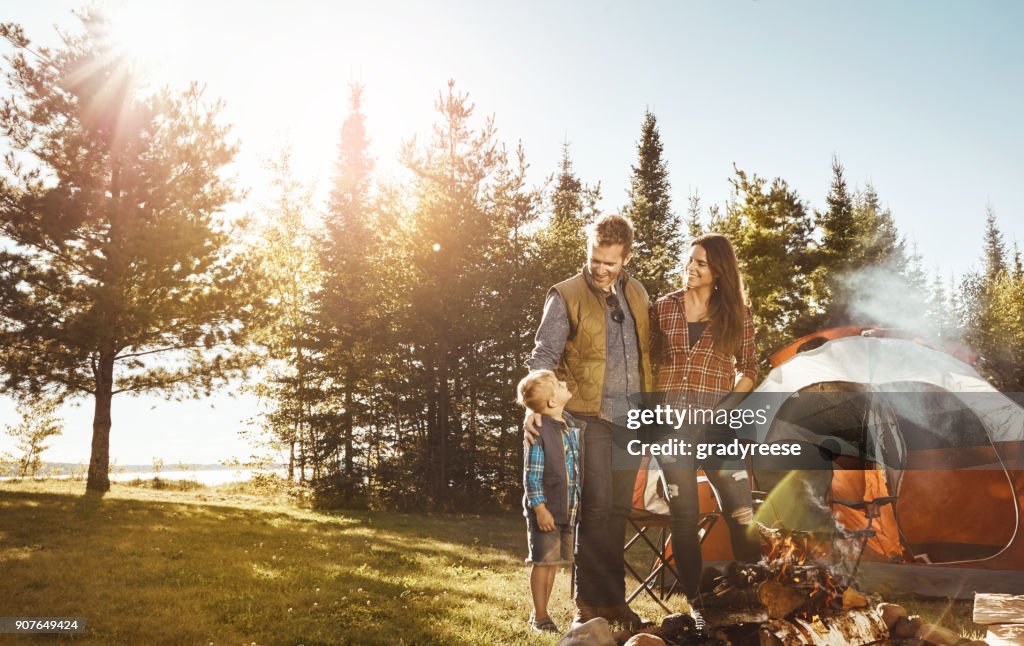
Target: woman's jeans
x: 733, y: 487
x: 609, y: 475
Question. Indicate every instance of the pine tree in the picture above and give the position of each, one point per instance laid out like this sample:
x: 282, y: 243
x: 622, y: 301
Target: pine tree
x: 770, y: 229
x: 1005, y: 333
x: 903, y: 294
x: 995, y: 248
x: 836, y: 255
x: 573, y: 204
x: 716, y: 219
x: 290, y: 275
x: 514, y: 288
x: 657, y: 248
x: 450, y: 236
x: 38, y: 424
x: 352, y: 337
x: 837, y: 225
x: 992, y: 311
x: 941, y: 312
x: 694, y: 227
x: 860, y: 259
x: 116, y: 274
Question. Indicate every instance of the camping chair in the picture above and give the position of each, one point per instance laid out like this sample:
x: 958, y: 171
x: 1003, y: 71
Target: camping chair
x: 662, y: 578
x: 656, y: 584
x: 872, y: 509
x: 652, y: 530
x: 886, y: 462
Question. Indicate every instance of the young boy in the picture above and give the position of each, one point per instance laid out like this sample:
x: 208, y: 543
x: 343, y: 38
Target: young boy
x: 552, y: 477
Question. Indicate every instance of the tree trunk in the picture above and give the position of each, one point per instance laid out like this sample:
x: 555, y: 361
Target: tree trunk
x: 297, y: 429
x: 291, y: 461
x: 315, y: 457
x: 347, y: 430
x: 472, y: 459
x: 433, y: 429
x: 443, y: 415
x: 99, y: 463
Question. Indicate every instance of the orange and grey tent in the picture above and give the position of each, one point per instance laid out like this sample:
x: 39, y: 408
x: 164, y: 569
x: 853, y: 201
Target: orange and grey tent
x: 881, y: 413
x: 885, y: 414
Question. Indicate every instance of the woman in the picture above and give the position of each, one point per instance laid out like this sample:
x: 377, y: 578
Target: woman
x: 703, y: 349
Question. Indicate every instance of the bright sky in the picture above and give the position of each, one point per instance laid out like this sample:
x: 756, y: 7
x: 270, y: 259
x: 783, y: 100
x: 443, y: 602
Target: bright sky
x: 921, y: 98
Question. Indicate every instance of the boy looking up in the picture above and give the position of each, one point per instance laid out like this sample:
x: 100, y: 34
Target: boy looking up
x: 552, y: 476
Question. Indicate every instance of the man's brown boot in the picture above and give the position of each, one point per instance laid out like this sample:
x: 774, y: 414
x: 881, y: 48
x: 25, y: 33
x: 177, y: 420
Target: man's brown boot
x: 585, y: 613
x: 624, y: 615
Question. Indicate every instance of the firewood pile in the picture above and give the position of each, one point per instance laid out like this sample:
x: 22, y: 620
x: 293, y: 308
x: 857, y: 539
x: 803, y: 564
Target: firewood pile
x: 1002, y: 615
x: 799, y: 594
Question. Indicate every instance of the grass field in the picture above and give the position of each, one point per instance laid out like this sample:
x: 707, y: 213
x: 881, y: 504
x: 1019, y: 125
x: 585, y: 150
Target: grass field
x: 214, y: 566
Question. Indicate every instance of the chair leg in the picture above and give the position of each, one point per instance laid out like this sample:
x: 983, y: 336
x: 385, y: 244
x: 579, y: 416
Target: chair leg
x: 572, y: 580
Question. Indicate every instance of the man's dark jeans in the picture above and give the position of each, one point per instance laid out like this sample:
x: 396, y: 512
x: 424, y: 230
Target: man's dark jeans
x: 609, y: 475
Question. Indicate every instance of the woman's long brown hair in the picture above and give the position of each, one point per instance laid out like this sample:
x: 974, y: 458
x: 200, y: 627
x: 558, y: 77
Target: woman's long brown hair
x: 726, y: 309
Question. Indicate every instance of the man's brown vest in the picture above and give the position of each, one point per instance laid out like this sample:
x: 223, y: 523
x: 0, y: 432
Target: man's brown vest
x: 582, y: 362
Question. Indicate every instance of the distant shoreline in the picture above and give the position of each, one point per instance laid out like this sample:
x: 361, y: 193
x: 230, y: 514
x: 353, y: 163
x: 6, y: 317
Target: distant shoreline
x: 204, y: 474
x: 84, y: 464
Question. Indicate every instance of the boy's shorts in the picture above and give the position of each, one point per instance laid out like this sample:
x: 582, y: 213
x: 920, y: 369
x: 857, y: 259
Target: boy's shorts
x: 550, y: 548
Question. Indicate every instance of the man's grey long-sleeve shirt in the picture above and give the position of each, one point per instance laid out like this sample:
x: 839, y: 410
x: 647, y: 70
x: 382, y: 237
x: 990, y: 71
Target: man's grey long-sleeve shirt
x: 622, y: 383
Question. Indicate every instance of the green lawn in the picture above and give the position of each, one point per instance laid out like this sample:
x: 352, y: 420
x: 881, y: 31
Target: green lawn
x: 148, y: 566
x: 165, y: 567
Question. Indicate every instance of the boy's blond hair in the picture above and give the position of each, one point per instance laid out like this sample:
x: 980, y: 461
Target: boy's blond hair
x: 535, y: 389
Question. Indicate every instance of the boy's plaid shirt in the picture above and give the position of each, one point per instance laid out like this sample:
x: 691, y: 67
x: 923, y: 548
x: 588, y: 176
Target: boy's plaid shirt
x: 535, y: 471
x: 699, y: 377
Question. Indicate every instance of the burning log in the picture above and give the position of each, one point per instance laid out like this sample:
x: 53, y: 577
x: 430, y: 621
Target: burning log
x: 808, y: 601
x: 793, y: 546
x: 796, y: 596
x: 853, y: 599
x: 855, y: 626
x: 780, y: 600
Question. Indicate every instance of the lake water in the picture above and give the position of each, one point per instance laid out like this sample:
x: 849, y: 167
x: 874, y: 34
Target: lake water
x: 210, y: 477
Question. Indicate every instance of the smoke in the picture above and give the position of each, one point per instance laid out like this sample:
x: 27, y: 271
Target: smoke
x: 889, y: 296
x: 843, y: 547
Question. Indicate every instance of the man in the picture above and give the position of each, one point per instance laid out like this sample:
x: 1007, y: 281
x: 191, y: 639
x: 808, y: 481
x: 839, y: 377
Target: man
x: 595, y: 335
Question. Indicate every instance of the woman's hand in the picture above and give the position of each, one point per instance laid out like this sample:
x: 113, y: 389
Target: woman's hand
x: 743, y: 385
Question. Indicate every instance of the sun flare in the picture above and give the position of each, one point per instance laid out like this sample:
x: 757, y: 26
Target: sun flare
x: 148, y: 36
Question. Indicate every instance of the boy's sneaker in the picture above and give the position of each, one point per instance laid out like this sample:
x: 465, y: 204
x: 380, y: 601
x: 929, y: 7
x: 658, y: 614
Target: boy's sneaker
x: 544, y: 625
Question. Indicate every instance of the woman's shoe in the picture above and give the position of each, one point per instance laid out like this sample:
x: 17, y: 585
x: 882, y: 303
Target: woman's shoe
x: 699, y: 624
x: 545, y: 625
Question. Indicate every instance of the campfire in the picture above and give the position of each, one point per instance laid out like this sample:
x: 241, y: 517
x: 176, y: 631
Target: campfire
x: 799, y: 594
x: 796, y: 579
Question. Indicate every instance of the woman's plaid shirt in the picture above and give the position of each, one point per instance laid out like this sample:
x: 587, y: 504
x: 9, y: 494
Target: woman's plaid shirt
x: 699, y: 377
